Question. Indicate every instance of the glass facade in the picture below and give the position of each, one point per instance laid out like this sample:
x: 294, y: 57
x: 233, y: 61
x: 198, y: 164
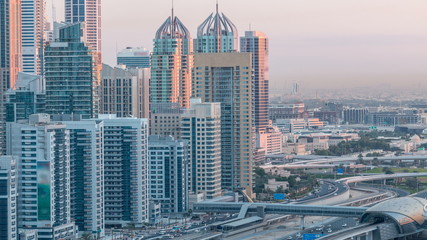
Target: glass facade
x: 217, y: 34
x: 257, y: 44
x: 171, y: 64
x: 71, y: 75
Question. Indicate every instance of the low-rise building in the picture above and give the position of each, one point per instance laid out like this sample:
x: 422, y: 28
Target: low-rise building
x: 275, y: 185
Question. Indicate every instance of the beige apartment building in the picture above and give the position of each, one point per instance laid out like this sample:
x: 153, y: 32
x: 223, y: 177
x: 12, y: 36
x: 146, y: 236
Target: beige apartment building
x: 227, y: 78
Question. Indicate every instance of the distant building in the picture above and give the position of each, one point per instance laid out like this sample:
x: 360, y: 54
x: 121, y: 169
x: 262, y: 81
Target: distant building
x: 392, y: 118
x: 217, y: 34
x: 330, y: 113
x: 268, y: 142
x: 171, y: 64
x: 71, y: 74
x: 169, y: 173
x: 314, y: 142
x: 89, y: 12
x: 275, y: 185
x: 286, y: 111
x: 50, y: 155
x: 134, y: 58
x: 329, y: 117
x: 125, y: 92
x: 33, y: 37
x: 295, y: 125
x: 335, y: 139
x: 227, y: 78
x: 201, y: 127
x: 8, y: 198
x: 354, y: 115
x: 26, y: 98
x: 294, y: 148
x: 10, y: 55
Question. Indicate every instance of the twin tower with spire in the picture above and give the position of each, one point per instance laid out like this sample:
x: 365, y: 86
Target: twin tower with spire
x: 213, y: 70
x: 216, y: 34
x: 172, y: 58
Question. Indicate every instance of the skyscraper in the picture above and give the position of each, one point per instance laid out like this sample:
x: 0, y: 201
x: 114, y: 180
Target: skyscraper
x: 10, y: 54
x: 134, y: 58
x: 125, y: 174
x: 171, y: 63
x: 168, y: 173
x: 10, y: 39
x: 88, y: 11
x: 257, y: 44
x: 125, y: 92
x: 227, y: 78
x: 33, y: 25
x: 201, y: 127
x: 71, y: 74
x: 217, y: 34
x: 8, y: 198
x: 87, y: 175
x: 44, y: 184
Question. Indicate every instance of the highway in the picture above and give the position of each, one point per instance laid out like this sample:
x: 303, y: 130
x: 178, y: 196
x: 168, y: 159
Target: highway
x: 332, y: 162
x: 381, y: 177
x: 326, y: 188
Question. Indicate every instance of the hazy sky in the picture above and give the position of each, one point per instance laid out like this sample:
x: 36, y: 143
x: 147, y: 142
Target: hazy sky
x: 318, y: 43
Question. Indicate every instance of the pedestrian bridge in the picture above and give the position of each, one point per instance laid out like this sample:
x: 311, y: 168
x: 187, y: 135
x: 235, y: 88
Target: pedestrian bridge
x: 273, y: 208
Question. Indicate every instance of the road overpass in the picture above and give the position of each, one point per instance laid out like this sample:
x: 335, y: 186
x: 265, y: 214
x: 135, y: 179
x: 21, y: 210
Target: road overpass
x: 380, y: 177
x: 332, y: 162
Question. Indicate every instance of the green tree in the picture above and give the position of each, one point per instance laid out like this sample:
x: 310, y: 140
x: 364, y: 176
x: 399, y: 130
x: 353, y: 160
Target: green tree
x: 411, y: 183
x: 86, y: 236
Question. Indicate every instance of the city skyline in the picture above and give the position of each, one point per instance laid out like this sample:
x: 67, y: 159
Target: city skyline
x: 322, y: 45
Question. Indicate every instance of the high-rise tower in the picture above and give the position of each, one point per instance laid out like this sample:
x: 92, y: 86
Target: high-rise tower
x: 171, y: 63
x: 227, y: 78
x: 33, y: 24
x: 71, y: 74
x: 10, y: 54
x: 88, y: 11
x: 44, y: 185
x: 257, y: 44
x: 216, y: 34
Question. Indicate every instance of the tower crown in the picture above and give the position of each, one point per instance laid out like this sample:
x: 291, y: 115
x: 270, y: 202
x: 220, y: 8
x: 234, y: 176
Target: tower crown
x: 172, y: 28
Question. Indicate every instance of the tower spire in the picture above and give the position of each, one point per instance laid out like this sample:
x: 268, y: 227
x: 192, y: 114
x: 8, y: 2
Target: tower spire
x: 217, y: 7
x: 172, y: 11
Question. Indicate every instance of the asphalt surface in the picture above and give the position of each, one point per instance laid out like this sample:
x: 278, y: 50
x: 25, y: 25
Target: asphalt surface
x: 327, y: 188
x: 400, y: 192
x: 326, y: 227
x: 324, y: 189
x: 422, y: 194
